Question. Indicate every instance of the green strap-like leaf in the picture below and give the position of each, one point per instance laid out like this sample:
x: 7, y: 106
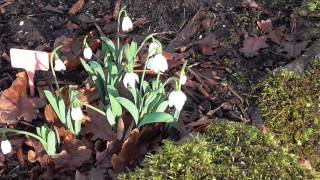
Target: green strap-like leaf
x: 130, y: 107
x: 44, y: 132
x: 53, y: 102
x: 115, y: 106
x: 156, y: 117
x: 110, y: 117
x: 62, y: 110
x: 146, y: 87
x: 77, y: 127
x: 51, y: 143
x: 69, y: 121
x: 162, y: 106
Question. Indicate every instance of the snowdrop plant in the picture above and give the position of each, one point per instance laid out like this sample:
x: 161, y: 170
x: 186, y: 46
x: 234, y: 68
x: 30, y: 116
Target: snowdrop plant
x: 47, y: 137
x: 149, y: 102
x: 6, y: 146
x: 87, y: 51
x: 65, y: 114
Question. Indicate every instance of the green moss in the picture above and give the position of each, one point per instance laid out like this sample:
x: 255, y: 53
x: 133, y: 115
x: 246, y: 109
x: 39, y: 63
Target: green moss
x: 290, y: 106
x: 226, y: 151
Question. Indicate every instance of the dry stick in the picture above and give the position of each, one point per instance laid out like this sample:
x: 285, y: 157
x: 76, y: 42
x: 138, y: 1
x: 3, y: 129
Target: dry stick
x: 246, y: 116
x: 116, y: 10
x: 205, y: 119
x: 199, y: 79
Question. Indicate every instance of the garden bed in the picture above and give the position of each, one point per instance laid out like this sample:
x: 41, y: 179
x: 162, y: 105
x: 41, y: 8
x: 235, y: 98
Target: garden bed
x: 226, y: 49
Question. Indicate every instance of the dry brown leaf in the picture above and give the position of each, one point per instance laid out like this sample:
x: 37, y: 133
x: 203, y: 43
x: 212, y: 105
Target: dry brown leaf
x: 252, y: 45
x: 276, y: 35
x: 293, y: 49
x: 72, y: 50
x: 265, y: 25
x: 97, y: 127
x: 136, y: 146
x: 73, y: 155
x: 15, y: 105
x: 39, y: 154
x: 306, y: 163
x: 76, y: 7
x: 252, y: 4
x: 93, y: 174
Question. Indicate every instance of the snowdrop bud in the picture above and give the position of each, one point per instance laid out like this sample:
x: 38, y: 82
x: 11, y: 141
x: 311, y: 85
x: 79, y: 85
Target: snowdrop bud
x: 153, y: 48
x: 59, y: 65
x: 87, y: 53
x: 76, y: 114
x: 158, y: 63
x: 126, y: 24
x: 130, y: 79
x: 183, y: 79
x: 6, y: 147
x: 177, y: 99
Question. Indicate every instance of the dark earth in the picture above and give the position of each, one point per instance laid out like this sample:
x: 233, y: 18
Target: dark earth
x: 210, y: 34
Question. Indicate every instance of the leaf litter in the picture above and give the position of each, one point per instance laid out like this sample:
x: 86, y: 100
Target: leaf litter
x: 103, y: 151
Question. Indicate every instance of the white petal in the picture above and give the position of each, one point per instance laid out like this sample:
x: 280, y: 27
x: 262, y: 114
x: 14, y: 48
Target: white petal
x: 76, y: 114
x: 87, y: 53
x: 126, y: 24
x: 59, y: 65
x: 6, y: 147
x: 158, y: 63
x: 130, y: 79
x: 177, y: 99
x: 183, y: 79
x: 153, y: 47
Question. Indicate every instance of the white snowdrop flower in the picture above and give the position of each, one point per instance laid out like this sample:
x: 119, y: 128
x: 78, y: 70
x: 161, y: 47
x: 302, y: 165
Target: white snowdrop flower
x: 21, y: 23
x: 59, y: 65
x: 177, y: 99
x: 6, y: 147
x: 76, y: 114
x: 130, y: 79
x: 183, y: 79
x: 153, y: 47
x: 157, y: 63
x: 87, y: 53
x: 126, y: 24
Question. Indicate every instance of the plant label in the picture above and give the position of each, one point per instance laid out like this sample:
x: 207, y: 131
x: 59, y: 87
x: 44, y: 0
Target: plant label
x: 31, y: 61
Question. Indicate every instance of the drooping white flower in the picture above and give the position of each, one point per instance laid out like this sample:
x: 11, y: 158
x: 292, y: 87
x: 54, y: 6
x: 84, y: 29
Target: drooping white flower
x: 158, y: 63
x: 183, y: 79
x: 130, y: 79
x: 6, y: 147
x: 76, y: 113
x: 87, y: 53
x: 59, y: 65
x: 153, y: 48
x: 177, y: 99
x: 126, y: 24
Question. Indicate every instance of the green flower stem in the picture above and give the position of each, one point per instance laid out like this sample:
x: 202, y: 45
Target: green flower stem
x: 158, y: 79
x: 5, y: 130
x: 182, y: 73
x: 119, y: 19
x: 94, y: 108
x: 140, y: 47
x: 52, y: 58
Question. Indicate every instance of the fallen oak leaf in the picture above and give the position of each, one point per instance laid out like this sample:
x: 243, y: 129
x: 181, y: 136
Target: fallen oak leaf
x: 76, y: 7
x: 265, y: 25
x: 136, y: 146
x: 15, y: 105
x: 252, y: 45
x: 293, y: 49
x: 74, y: 154
x: 97, y: 127
x: 252, y: 4
x: 72, y: 50
x: 276, y: 35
